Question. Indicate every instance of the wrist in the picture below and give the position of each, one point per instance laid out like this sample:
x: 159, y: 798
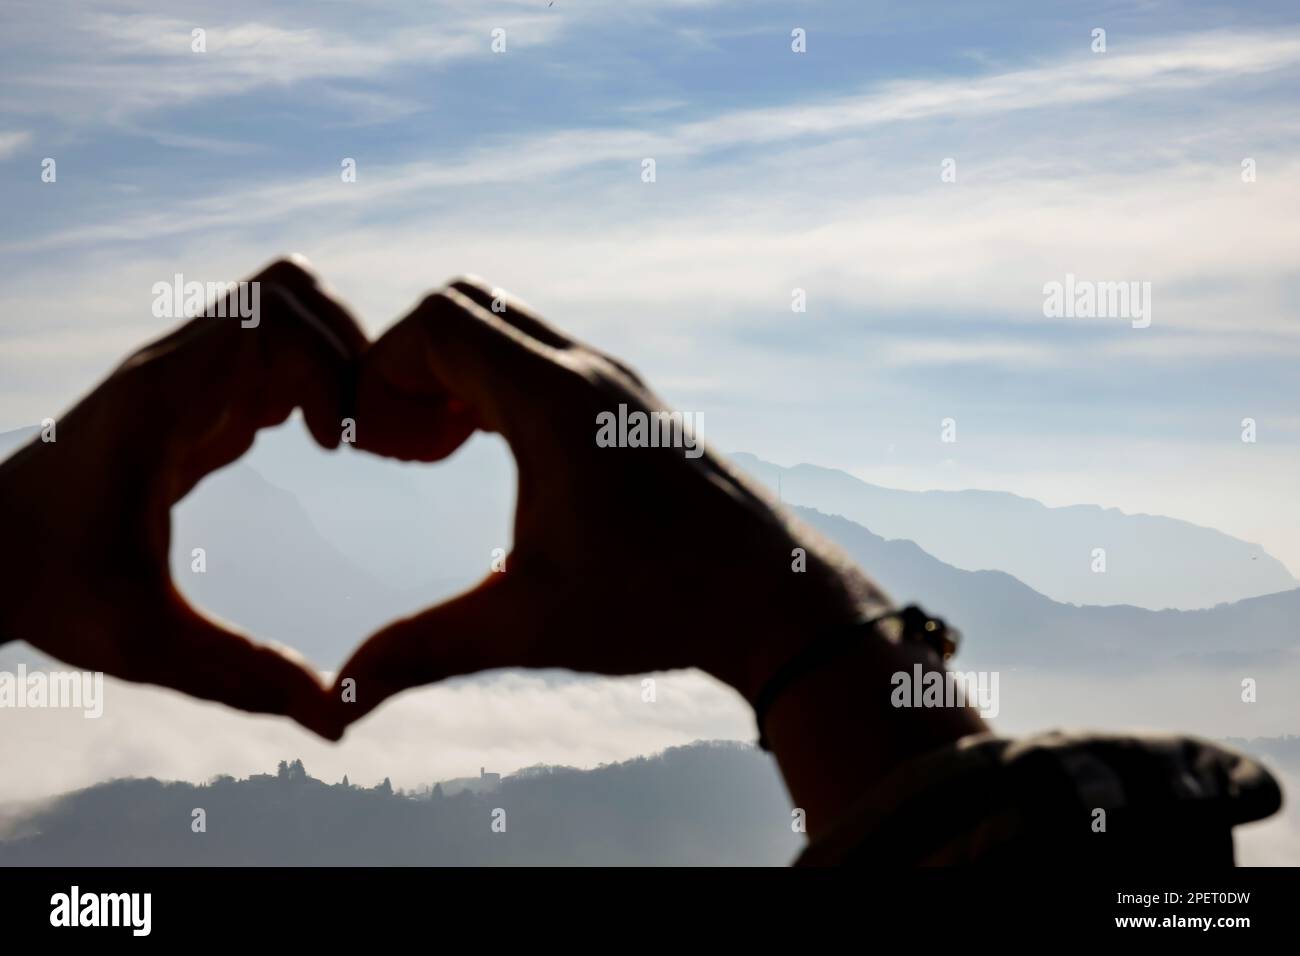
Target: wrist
x: 788, y: 616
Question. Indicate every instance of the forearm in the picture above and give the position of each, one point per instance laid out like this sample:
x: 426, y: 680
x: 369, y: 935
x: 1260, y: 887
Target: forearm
x: 836, y: 734
x: 835, y: 730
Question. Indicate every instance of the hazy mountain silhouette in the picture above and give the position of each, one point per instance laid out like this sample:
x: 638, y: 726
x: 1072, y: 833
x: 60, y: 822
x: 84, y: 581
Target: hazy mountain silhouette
x: 411, y: 525
x: 302, y: 592
x: 1152, y: 561
x: 273, y: 571
x: 269, y: 570
x: 417, y: 527
x: 708, y: 803
x: 420, y: 526
x: 1005, y: 623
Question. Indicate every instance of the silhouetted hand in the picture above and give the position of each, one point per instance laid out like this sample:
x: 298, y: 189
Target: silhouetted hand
x: 625, y: 559
x: 87, y: 516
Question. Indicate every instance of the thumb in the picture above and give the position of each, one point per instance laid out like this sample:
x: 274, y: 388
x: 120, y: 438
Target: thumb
x: 494, y: 625
x: 203, y: 659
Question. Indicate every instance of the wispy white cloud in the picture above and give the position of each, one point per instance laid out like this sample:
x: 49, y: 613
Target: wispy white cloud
x: 118, y: 66
x: 12, y: 141
x: 959, y: 352
x: 1181, y: 65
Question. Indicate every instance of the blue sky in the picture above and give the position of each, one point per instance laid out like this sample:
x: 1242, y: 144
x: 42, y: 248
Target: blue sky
x: 775, y: 170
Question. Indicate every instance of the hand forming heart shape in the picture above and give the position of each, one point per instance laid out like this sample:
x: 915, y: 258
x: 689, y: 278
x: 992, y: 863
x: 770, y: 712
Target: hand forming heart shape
x: 629, y: 556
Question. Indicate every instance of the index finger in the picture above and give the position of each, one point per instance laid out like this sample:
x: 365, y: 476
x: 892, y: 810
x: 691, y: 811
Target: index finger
x: 209, y: 386
x: 449, y: 351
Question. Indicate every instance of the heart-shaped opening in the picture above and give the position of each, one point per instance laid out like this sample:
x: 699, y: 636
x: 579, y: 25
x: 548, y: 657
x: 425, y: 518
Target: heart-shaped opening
x: 316, y: 549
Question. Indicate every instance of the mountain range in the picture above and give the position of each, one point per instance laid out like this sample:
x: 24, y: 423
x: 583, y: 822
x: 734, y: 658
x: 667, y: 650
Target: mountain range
x: 707, y: 804
x: 359, y: 541
x: 1005, y: 623
x: 1151, y: 561
x: 711, y: 803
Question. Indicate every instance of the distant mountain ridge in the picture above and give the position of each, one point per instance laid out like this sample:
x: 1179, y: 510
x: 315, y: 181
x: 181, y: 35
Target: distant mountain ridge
x: 1005, y: 623
x: 709, y: 803
x: 1152, y: 562
x: 413, y: 526
x: 273, y: 571
x: 410, y: 525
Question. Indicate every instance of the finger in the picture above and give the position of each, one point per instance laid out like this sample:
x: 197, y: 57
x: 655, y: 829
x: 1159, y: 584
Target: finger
x: 317, y: 320
x: 294, y: 273
x: 448, y: 349
x: 321, y: 304
x: 208, y: 388
x: 251, y: 379
x: 515, y: 313
x: 512, y: 311
x: 492, y: 626
x: 408, y: 427
x: 404, y: 410
x: 201, y: 658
